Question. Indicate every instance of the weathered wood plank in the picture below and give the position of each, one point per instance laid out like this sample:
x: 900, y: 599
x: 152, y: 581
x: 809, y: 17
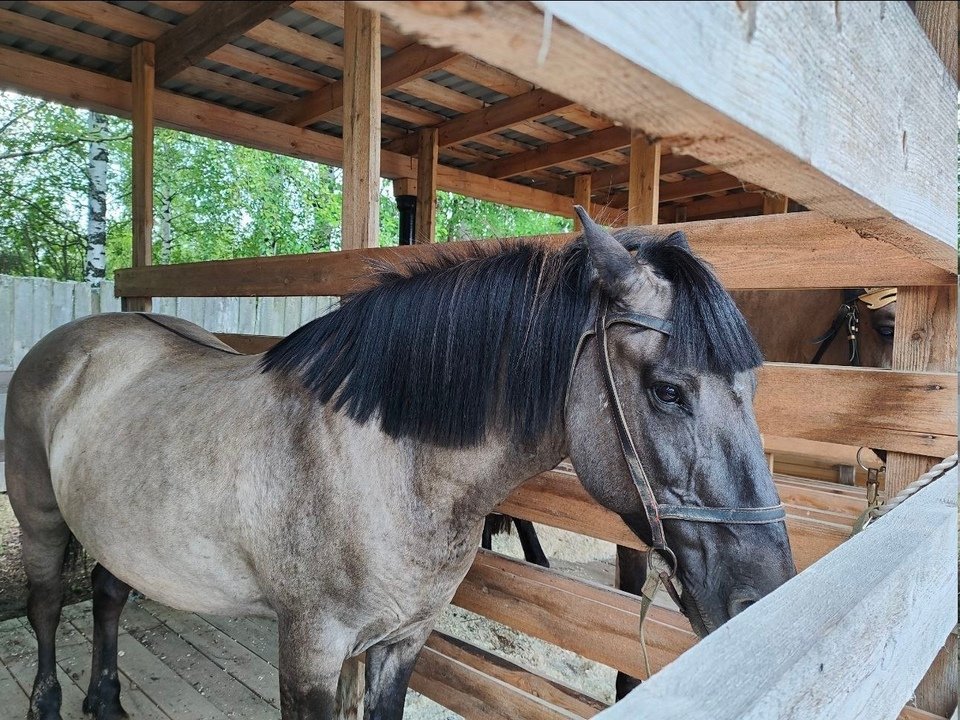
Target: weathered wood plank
x: 838, y: 147
x: 559, y: 500
x: 643, y: 193
x: 142, y: 84
x: 258, y: 679
x: 925, y: 338
x: 597, y: 622
x: 475, y: 695
x: 427, y: 161
x: 800, y: 250
x: 361, y: 130
x: 811, y: 648
x: 912, y: 412
x: 516, y: 675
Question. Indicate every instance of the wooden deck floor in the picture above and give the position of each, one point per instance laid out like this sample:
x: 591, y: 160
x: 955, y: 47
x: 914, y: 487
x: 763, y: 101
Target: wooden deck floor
x: 174, y: 665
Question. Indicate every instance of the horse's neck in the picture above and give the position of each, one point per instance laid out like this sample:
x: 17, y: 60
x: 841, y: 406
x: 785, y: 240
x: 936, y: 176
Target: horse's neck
x: 477, y: 479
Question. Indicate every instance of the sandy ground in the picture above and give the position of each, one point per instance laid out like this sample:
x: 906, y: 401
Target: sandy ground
x: 572, y: 554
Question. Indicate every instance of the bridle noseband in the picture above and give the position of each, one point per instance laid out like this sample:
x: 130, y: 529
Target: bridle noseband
x: 656, y: 513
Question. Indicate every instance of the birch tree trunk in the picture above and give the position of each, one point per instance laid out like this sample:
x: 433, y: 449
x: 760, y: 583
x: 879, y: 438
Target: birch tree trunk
x: 166, y: 232
x: 98, y: 161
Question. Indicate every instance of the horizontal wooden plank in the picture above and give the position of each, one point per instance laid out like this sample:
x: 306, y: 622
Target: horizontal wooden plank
x: 56, y: 81
x: 794, y: 250
x: 838, y: 144
x: 475, y: 695
x: 597, y: 622
x: 570, y: 702
x: 812, y: 649
x: 912, y: 412
x: 559, y: 500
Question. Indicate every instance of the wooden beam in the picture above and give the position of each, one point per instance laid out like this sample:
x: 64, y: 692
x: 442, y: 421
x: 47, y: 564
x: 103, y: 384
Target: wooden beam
x: 492, y: 118
x: 817, y: 522
x: 672, y: 191
x: 211, y: 27
x: 74, y: 86
x: 476, y: 683
x: 797, y: 650
x: 361, y: 129
x: 774, y: 204
x: 582, y: 146
x: 800, y: 250
x: 643, y: 194
x: 925, y: 338
x: 911, y: 412
x: 427, y: 187
x: 596, y: 622
x: 582, y: 193
x: 939, y: 22
x: 643, y: 48
x: 142, y: 65
x: 405, y: 65
x: 620, y: 174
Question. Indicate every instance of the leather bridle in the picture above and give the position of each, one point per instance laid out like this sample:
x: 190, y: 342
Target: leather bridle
x: 655, y: 512
x: 849, y: 315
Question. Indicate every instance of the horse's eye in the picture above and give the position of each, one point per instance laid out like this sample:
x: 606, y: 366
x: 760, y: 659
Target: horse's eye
x: 885, y: 331
x: 667, y: 393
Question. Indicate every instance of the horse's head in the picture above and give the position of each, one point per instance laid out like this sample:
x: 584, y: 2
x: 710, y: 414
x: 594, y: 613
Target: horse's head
x: 878, y: 315
x: 685, y: 393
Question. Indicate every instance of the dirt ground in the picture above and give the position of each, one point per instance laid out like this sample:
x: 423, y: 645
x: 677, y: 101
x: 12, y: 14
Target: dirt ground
x: 13, y: 582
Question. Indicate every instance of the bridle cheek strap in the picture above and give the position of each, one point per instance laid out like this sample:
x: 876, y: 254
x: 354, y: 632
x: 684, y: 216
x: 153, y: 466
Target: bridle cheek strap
x: 656, y: 513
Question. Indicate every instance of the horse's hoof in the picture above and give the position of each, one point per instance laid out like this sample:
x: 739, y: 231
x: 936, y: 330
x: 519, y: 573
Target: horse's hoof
x: 104, y: 709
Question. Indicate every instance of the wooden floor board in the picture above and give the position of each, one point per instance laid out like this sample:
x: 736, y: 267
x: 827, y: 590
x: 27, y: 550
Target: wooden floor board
x: 12, y: 695
x: 151, y: 676
x: 246, y: 667
x: 258, y: 635
x: 184, y: 658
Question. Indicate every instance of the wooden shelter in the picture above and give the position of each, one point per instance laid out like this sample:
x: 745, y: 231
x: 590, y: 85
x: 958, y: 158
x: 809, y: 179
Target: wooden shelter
x: 708, y: 115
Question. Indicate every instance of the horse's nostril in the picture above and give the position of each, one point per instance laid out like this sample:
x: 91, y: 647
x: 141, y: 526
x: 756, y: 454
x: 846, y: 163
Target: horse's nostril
x: 737, y: 605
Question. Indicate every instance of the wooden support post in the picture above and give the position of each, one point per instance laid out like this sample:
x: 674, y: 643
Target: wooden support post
x: 643, y: 196
x: 925, y: 338
x: 427, y: 186
x: 361, y: 129
x: 582, y: 191
x: 775, y: 204
x: 142, y: 71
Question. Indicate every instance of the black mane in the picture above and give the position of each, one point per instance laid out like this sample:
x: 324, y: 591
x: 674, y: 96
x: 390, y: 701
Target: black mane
x: 482, y: 332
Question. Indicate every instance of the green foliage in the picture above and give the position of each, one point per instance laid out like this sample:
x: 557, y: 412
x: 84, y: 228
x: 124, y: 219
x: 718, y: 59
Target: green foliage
x: 43, y: 184
x: 212, y: 200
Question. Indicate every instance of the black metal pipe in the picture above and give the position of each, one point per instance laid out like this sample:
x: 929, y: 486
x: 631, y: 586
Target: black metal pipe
x: 407, y: 207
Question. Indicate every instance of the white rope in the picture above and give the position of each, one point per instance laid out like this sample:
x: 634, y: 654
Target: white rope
x: 935, y: 473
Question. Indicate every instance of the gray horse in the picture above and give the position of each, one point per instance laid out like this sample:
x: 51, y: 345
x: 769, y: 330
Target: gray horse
x: 341, y: 480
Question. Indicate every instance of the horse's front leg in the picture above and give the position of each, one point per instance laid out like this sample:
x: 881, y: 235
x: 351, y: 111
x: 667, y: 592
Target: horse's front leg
x: 311, y: 655
x: 387, y: 675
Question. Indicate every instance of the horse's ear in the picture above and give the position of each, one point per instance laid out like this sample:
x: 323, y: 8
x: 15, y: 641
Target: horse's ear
x: 614, y: 264
x: 678, y: 239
